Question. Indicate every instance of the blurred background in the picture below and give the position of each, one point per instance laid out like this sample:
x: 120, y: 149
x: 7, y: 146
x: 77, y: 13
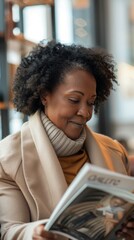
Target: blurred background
x: 103, y: 23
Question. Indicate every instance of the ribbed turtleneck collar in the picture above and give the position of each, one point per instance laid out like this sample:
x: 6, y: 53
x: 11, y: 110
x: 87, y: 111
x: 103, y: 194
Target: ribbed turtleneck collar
x: 63, y: 145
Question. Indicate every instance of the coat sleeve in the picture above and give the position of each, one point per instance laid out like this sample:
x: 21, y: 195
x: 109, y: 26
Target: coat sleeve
x: 13, y: 207
x: 14, y: 211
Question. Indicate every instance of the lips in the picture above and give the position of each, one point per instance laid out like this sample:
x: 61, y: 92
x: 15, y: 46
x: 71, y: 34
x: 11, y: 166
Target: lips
x: 77, y: 123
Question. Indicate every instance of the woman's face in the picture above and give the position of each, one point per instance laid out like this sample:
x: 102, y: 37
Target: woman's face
x: 70, y: 106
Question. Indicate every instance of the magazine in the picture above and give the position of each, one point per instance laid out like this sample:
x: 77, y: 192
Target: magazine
x: 94, y: 206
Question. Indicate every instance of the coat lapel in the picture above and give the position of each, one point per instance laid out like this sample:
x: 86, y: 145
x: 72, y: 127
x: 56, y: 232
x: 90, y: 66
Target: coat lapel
x: 43, y: 173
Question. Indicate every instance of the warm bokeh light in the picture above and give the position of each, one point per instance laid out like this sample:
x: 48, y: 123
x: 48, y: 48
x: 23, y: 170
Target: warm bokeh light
x: 126, y: 79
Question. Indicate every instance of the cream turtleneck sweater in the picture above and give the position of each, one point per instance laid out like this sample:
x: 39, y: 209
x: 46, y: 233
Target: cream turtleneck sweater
x: 71, y: 154
x: 63, y: 145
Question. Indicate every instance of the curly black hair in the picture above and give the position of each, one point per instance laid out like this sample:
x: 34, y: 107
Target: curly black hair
x: 46, y: 65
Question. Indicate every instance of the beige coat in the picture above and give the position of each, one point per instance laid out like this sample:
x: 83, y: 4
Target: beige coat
x: 31, y: 179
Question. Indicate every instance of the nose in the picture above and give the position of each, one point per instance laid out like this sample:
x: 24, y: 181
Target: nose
x: 85, y: 112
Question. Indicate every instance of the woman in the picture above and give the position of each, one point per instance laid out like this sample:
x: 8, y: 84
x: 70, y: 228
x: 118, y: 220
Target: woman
x: 58, y: 86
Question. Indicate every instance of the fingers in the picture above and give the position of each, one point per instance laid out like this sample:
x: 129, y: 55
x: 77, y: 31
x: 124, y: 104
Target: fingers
x: 41, y: 234
x: 127, y: 231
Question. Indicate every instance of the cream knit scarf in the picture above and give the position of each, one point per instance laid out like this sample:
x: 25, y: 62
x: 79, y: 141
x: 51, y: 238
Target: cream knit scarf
x: 63, y: 145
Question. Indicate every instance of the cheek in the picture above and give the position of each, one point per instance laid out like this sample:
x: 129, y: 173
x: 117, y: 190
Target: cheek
x: 59, y: 116
x: 90, y: 114
x: 62, y: 118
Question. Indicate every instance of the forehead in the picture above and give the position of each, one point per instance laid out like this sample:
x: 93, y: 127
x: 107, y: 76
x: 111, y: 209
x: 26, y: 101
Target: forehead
x: 80, y: 79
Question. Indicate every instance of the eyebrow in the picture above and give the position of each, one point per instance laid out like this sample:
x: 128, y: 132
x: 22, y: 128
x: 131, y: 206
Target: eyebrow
x: 76, y: 91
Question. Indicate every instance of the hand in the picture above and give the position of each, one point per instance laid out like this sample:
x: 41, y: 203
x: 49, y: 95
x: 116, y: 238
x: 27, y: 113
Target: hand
x: 127, y: 231
x: 40, y: 234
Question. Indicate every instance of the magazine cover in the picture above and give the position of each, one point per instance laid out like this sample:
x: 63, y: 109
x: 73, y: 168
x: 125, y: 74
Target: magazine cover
x: 92, y: 215
x: 94, y: 206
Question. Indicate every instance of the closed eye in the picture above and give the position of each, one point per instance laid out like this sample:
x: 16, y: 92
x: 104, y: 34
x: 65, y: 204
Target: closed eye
x: 73, y: 100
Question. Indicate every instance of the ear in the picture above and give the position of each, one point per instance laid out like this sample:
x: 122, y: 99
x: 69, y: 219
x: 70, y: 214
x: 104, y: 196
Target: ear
x: 44, y: 99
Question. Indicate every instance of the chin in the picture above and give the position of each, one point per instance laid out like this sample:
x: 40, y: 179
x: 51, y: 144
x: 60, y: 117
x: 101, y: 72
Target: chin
x: 74, y: 134
x: 74, y: 137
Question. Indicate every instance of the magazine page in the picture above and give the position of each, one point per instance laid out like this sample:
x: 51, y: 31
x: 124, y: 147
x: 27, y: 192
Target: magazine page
x: 92, y: 214
x: 92, y: 173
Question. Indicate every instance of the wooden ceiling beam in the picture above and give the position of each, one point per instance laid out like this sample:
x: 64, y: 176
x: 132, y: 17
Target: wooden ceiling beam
x: 24, y: 3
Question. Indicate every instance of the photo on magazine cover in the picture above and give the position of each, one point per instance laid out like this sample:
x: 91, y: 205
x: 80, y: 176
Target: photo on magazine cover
x: 92, y: 215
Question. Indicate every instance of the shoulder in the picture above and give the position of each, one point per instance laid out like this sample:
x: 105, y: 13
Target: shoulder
x: 9, y: 142
x: 109, y: 142
x: 10, y: 153
x: 113, y: 147
x: 106, y: 140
